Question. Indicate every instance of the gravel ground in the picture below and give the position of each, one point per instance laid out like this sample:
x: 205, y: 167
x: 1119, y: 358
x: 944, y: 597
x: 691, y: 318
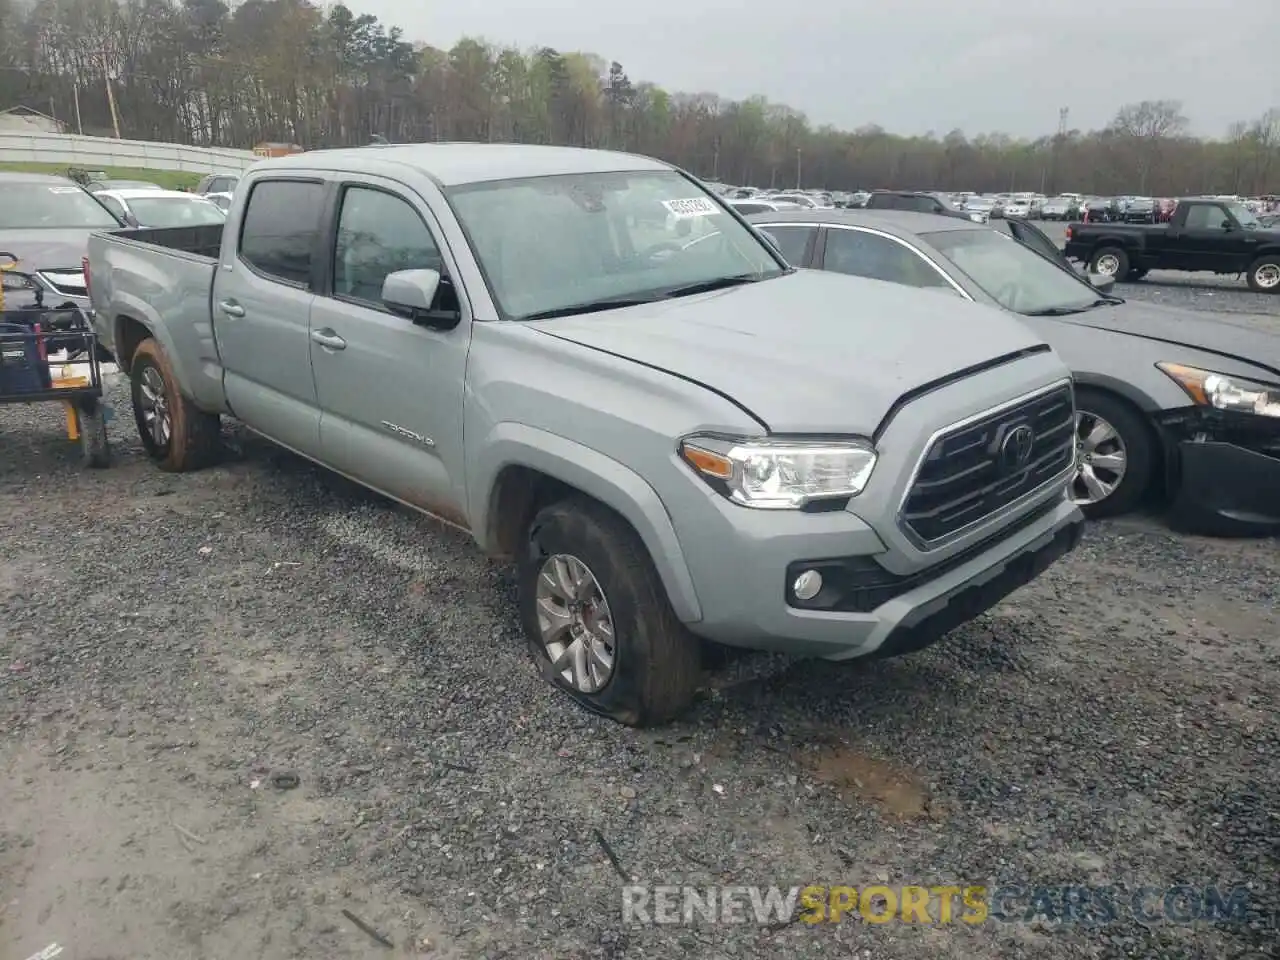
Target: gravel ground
x: 176, y: 650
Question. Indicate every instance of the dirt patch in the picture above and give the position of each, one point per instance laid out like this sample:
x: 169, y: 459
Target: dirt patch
x: 894, y: 788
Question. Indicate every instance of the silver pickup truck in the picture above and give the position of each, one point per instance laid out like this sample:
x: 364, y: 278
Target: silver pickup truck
x: 597, y: 369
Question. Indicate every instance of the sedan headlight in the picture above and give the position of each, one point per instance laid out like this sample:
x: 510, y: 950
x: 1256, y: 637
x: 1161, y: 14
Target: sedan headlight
x: 1224, y: 392
x: 780, y: 474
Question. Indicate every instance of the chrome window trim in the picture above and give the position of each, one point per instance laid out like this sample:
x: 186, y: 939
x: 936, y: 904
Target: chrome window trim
x: 887, y: 236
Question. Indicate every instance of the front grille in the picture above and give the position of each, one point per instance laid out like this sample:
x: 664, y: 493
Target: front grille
x: 979, y: 467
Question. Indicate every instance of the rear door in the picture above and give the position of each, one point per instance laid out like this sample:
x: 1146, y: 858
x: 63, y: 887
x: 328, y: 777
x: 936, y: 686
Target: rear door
x: 262, y: 309
x: 390, y: 391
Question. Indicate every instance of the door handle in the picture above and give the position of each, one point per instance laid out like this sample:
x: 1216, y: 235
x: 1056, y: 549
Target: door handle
x: 328, y: 339
x: 231, y: 308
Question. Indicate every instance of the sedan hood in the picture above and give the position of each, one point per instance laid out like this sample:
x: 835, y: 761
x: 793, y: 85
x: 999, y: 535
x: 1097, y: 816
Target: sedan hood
x: 810, y: 352
x: 1185, y: 328
x: 46, y: 249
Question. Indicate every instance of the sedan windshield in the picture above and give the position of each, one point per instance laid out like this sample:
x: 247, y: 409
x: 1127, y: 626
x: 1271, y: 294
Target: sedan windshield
x: 175, y: 212
x: 30, y: 205
x: 548, y: 245
x: 1013, y: 275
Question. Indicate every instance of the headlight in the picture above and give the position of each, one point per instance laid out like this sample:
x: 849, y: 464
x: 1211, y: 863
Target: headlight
x: 1224, y: 392
x: 780, y: 474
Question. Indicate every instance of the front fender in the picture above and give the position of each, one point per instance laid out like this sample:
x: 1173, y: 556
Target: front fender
x: 598, y: 476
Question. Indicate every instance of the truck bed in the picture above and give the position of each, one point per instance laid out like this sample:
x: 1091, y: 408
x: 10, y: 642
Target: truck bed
x: 202, y: 241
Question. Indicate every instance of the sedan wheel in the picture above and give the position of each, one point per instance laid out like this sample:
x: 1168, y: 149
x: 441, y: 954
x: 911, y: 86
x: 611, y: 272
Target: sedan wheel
x: 1102, y: 460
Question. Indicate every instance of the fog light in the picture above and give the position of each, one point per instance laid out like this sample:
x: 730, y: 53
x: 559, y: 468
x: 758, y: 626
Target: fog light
x: 807, y: 585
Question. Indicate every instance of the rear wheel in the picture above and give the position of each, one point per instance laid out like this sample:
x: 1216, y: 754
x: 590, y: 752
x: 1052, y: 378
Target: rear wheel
x: 1110, y: 262
x: 1115, y: 456
x: 597, y: 619
x: 176, y: 434
x: 1264, y: 274
x: 91, y: 421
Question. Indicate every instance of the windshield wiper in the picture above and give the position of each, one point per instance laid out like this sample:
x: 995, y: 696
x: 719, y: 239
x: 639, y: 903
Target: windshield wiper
x: 1068, y: 311
x: 707, y: 286
x: 612, y: 303
x: 591, y: 306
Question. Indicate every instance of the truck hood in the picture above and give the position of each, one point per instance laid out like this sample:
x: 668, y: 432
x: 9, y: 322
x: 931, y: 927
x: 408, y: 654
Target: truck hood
x: 1185, y: 328
x: 808, y: 352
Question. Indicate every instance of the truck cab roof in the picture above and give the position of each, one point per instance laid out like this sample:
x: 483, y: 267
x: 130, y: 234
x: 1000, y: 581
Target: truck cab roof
x: 455, y: 164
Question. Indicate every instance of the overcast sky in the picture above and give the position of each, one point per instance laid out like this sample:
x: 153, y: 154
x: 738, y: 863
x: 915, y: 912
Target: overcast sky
x: 908, y: 65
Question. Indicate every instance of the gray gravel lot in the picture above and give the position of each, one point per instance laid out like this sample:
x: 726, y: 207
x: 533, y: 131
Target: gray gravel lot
x: 171, y: 645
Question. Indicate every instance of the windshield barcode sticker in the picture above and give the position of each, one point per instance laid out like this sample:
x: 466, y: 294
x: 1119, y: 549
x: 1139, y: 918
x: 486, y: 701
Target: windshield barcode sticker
x: 693, y: 207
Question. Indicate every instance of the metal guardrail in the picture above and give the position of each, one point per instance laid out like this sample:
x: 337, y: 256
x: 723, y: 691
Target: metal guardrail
x: 65, y: 149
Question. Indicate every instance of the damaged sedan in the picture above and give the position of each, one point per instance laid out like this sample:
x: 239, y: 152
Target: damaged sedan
x: 1171, y: 406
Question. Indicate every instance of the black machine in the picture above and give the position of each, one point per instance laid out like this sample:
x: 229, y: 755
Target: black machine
x: 28, y: 335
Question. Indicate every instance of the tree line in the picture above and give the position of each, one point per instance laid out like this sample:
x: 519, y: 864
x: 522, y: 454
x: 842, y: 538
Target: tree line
x: 197, y: 72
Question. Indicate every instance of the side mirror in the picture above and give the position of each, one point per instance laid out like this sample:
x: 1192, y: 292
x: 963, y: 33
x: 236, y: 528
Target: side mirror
x: 1102, y: 283
x: 410, y: 293
x: 1227, y: 225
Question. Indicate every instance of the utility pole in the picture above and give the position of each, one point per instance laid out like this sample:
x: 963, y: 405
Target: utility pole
x: 75, y: 92
x: 797, y: 168
x: 111, y: 94
x: 1056, y: 149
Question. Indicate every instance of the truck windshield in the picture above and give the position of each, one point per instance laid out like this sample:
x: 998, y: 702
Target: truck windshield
x: 36, y: 205
x: 1013, y: 275
x: 175, y: 212
x: 1243, y: 215
x: 549, y: 244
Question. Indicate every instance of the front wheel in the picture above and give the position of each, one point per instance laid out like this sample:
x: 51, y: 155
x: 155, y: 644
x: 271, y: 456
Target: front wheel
x: 1264, y: 274
x: 597, y: 619
x: 1115, y: 456
x: 176, y: 434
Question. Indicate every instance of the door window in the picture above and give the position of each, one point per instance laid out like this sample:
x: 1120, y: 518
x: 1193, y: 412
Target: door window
x: 114, y: 205
x: 280, y: 228
x: 1037, y: 241
x: 378, y: 234
x: 863, y: 254
x: 793, y: 241
x: 1204, y: 216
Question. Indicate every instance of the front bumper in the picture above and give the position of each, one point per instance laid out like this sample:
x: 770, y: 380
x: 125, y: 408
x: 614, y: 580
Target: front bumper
x: 910, y: 612
x: 1225, y: 490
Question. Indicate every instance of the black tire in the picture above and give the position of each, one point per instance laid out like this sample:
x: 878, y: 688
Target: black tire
x: 1266, y: 262
x: 657, y: 663
x: 91, y: 421
x: 1122, y: 262
x: 1140, y: 447
x: 195, y: 438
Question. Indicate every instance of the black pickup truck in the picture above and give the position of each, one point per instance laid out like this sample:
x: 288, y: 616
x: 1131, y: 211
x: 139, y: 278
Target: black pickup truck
x: 1217, y: 236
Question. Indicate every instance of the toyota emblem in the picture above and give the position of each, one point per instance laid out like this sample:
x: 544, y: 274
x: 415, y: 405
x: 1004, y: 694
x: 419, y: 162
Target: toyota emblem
x: 1016, y: 447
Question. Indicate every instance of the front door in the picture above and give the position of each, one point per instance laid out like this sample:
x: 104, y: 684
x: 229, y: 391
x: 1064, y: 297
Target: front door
x: 262, y: 310
x: 390, y: 391
x: 1202, y: 243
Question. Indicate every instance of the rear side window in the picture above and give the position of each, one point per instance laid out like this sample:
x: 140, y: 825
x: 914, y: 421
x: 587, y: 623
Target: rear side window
x: 280, y: 227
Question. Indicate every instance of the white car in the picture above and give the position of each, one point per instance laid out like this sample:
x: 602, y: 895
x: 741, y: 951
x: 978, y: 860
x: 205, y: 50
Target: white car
x: 161, y: 208
x: 1017, y: 210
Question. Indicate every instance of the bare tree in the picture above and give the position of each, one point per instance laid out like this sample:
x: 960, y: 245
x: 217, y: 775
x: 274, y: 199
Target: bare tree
x: 286, y: 70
